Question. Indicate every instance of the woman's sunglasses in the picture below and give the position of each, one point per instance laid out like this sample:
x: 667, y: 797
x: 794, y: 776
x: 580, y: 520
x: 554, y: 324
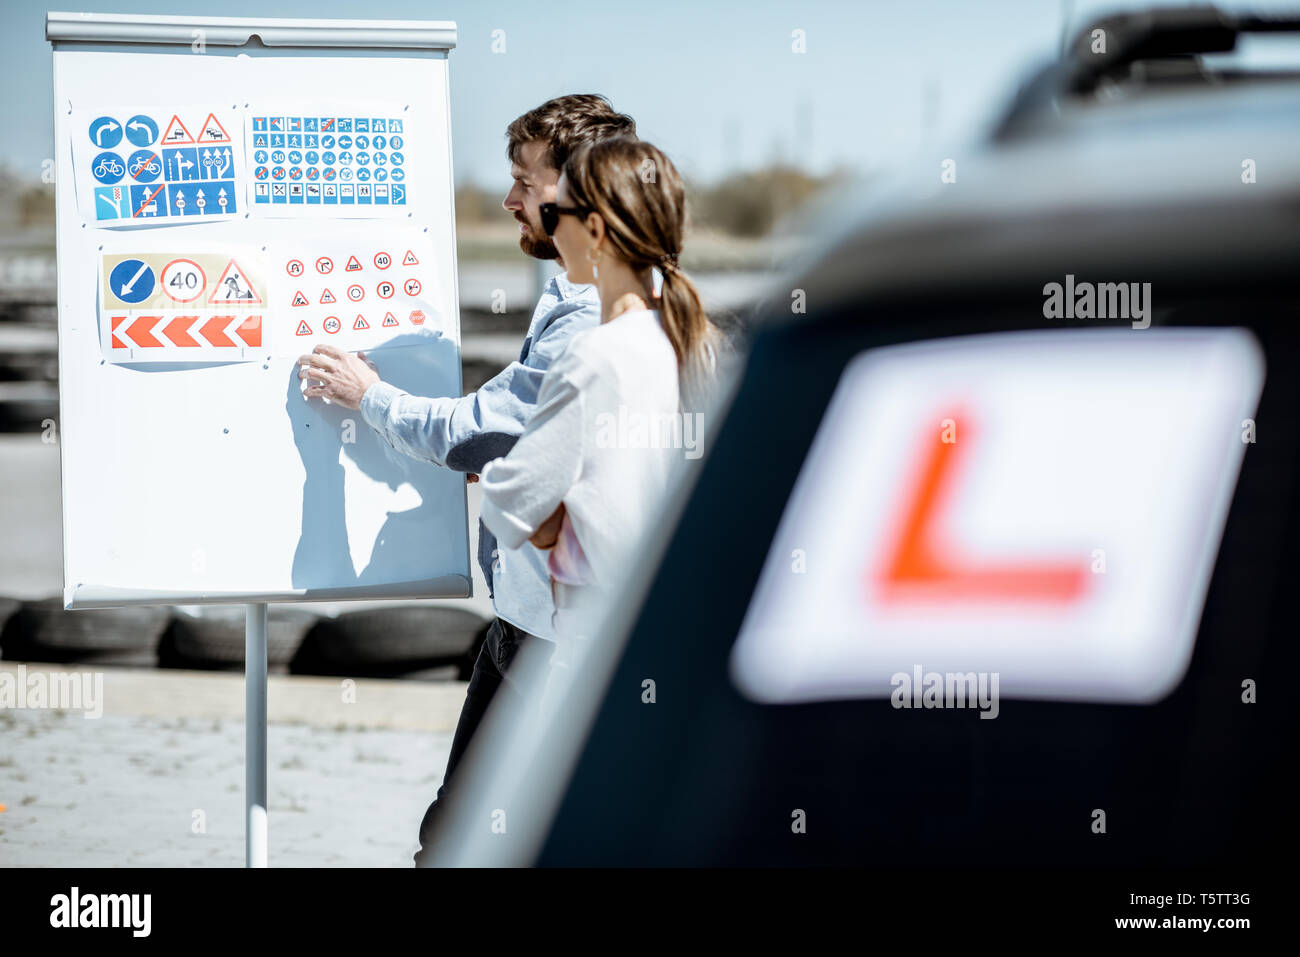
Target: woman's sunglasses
x: 551, y: 213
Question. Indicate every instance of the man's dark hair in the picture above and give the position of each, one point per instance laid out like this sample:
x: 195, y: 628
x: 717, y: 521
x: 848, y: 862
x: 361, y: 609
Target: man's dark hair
x: 565, y: 123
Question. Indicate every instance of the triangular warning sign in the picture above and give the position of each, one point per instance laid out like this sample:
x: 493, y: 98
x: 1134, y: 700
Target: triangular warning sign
x: 390, y: 319
x: 327, y: 296
x: 303, y: 329
x: 361, y: 323
x: 176, y: 133
x: 352, y: 265
x: 410, y: 260
x: 234, y: 287
x: 299, y: 299
x: 213, y: 131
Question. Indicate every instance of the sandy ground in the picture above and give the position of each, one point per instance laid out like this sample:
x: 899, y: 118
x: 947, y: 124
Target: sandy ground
x: 347, y: 781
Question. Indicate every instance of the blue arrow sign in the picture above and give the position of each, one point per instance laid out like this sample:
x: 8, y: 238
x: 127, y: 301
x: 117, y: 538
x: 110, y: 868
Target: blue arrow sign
x: 216, y: 161
x: 105, y: 132
x: 141, y: 130
x: 181, y: 164
x: 131, y: 280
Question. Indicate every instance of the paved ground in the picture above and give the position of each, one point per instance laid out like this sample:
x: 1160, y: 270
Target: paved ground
x: 347, y: 782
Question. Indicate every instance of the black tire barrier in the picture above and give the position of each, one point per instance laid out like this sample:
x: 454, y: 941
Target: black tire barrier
x: 43, y: 631
x: 7, y: 607
x: 385, y: 642
x: 215, y: 638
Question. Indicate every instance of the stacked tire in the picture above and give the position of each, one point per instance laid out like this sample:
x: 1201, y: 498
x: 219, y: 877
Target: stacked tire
x: 421, y: 642
x: 214, y: 637
x: 43, y: 631
x: 413, y: 641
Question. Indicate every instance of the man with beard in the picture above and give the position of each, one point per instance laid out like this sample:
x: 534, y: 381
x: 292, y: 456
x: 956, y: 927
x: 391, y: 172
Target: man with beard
x: 468, y: 432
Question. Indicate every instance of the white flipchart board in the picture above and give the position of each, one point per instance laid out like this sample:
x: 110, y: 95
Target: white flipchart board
x: 215, y: 480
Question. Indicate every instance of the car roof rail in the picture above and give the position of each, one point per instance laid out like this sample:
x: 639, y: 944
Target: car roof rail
x: 1166, y: 42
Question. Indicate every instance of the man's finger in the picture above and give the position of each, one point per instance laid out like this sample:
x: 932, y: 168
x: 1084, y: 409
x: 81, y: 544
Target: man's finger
x: 330, y: 350
x: 321, y: 361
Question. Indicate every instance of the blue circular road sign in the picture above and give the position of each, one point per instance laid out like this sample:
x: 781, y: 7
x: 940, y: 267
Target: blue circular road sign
x: 107, y: 167
x: 131, y: 280
x: 105, y: 132
x: 144, y: 166
x: 141, y: 130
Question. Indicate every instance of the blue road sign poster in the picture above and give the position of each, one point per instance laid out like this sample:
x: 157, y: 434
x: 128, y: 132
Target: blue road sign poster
x: 328, y: 158
x: 139, y: 164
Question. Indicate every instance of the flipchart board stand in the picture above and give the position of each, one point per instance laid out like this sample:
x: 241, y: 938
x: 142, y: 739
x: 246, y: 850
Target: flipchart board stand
x: 230, y: 193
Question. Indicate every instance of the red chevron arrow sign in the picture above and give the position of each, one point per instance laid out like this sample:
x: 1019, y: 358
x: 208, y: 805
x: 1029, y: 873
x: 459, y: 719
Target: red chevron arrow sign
x: 154, y: 336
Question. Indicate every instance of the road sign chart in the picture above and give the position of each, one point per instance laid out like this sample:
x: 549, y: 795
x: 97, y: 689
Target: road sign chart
x: 340, y: 159
x: 141, y: 165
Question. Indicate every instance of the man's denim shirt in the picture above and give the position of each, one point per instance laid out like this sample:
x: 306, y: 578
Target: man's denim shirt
x: 468, y: 432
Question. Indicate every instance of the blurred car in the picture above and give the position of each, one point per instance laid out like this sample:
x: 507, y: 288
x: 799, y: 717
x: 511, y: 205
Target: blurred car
x: 949, y: 462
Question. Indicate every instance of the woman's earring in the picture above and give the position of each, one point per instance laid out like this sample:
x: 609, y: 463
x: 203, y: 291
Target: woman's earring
x: 595, y: 272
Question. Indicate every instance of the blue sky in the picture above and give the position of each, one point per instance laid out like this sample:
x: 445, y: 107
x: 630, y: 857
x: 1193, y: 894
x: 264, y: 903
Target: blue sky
x: 712, y: 82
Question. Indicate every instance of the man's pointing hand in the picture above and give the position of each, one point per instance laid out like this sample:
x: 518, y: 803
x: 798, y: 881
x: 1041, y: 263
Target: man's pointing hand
x: 337, y: 375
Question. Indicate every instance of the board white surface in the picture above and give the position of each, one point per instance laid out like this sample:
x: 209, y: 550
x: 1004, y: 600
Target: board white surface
x: 205, y: 482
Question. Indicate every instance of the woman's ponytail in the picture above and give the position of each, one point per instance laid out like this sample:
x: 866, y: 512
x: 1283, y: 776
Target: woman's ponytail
x: 690, y: 331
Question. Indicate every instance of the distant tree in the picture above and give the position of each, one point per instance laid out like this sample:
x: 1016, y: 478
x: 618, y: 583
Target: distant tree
x: 744, y: 205
x: 474, y: 204
x: 749, y: 204
x: 36, y: 206
x: 24, y: 202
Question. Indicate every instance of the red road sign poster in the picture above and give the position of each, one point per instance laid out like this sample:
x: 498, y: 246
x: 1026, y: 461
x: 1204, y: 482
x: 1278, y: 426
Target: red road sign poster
x: 366, y: 278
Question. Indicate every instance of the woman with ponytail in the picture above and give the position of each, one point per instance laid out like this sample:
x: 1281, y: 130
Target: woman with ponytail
x: 587, y: 477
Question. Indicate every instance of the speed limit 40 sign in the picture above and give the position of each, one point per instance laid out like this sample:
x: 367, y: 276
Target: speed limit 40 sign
x: 184, y: 280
